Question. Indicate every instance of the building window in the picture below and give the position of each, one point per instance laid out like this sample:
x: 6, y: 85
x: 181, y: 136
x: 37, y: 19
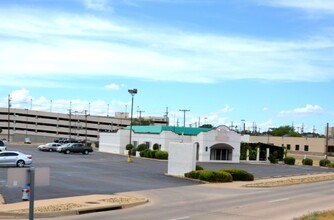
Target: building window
x: 288, y: 146
x: 148, y: 144
x: 305, y: 147
x: 206, y: 149
x: 135, y: 143
x: 297, y: 147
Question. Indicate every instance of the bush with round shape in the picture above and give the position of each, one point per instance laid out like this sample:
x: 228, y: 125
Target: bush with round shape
x: 289, y: 160
x: 239, y: 174
x: 324, y: 162
x: 133, y: 151
x: 223, y: 177
x: 156, y: 146
x: 162, y: 155
x: 307, y: 161
x: 215, y: 176
x: 331, y: 165
x: 128, y: 147
x: 142, y: 147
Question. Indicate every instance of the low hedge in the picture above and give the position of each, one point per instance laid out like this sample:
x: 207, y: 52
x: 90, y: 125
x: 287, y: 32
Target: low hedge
x: 307, y: 161
x: 239, y: 174
x: 290, y: 160
x: 192, y: 174
x: 324, y: 162
x: 210, y: 176
x: 162, y: 155
x: 215, y: 176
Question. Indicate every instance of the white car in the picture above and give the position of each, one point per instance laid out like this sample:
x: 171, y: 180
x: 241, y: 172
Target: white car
x: 2, y: 146
x: 49, y: 147
x: 15, y: 158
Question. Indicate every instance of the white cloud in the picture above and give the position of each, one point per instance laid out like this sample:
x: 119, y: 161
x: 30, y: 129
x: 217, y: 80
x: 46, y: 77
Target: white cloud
x: 21, y: 98
x: 40, y: 44
x: 304, y: 111
x: 99, y: 5
x: 326, y: 6
x: 113, y: 86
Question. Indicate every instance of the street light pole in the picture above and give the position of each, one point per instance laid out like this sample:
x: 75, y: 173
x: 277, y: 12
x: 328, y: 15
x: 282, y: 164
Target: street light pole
x: 132, y: 92
x: 184, y: 116
x: 9, y: 105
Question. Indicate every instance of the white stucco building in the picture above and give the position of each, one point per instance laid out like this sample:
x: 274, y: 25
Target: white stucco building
x: 217, y: 144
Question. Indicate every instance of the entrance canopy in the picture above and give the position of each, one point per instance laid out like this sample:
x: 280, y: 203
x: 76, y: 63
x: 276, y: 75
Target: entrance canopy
x: 222, y: 146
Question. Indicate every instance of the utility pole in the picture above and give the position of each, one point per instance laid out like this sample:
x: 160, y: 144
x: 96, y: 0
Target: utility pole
x: 184, y: 116
x: 327, y: 138
x: 9, y: 105
x: 166, y: 116
x: 140, y: 113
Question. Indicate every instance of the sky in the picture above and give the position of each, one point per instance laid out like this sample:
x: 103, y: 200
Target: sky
x: 264, y: 63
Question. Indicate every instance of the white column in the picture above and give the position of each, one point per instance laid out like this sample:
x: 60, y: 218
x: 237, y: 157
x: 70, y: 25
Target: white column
x: 267, y: 154
x: 247, y: 155
x: 257, y: 154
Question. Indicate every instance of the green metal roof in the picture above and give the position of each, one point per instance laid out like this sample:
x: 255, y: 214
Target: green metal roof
x: 159, y: 129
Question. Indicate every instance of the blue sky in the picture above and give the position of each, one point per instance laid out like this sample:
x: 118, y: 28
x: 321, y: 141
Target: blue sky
x: 268, y: 62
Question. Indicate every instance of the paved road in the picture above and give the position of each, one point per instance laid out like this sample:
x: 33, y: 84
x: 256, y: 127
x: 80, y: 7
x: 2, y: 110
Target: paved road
x: 216, y: 202
x: 102, y: 173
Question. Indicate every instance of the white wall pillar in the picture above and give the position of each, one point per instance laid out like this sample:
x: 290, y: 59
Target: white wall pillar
x: 267, y: 154
x: 247, y: 155
x: 257, y: 154
x: 181, y: 158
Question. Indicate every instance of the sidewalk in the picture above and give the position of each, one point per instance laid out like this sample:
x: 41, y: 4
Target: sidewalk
x: 69, y: 206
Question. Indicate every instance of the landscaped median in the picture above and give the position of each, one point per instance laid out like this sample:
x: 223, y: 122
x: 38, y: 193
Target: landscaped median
x: 70, y: 206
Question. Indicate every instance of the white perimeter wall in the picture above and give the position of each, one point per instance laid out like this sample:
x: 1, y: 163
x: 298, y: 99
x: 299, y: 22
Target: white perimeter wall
x: 181, y: 158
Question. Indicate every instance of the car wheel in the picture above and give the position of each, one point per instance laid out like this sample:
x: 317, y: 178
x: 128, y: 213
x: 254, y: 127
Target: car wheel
x: 85, y: 152
x: 20, y: 163
x: 50, y: 149
x: 67, y: 151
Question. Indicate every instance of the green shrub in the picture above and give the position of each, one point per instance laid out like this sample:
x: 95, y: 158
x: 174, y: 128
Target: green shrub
x: 290, y: 160
x: 142, y: 147
x: 151, y: 154
x: 133, y: 151
x: 223, y: 177
x: 156, y: 146
x: 239, y: 174
x: 307, y: 161
x: 207, y: 175
x: 331, y: 165
x: 273, y: 157
x: 89, y: 144
x: 192, y: 174
x: 198, y: 167
x: 215, y: 176
x: 97, y: 144
x: 128, y: 147
x: 324, y: 162
x: 162, y: 155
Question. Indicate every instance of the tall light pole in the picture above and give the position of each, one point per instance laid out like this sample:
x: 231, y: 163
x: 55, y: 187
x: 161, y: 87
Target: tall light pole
x: 184, y: 116
x: 9, y: 105
x: 132, y: 92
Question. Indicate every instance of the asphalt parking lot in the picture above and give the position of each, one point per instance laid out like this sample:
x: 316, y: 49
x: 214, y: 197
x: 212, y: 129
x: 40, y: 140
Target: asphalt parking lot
x: 103, y: 173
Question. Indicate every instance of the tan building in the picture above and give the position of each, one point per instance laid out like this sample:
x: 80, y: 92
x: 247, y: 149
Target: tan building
x: 42, y: 126
x: 302, y: 145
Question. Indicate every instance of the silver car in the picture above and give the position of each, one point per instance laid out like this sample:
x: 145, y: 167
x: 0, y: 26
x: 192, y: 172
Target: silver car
x: 15, y: 158
x: 49, y: 147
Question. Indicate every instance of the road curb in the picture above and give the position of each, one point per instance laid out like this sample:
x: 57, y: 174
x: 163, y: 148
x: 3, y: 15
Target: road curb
x: 88, y: 205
